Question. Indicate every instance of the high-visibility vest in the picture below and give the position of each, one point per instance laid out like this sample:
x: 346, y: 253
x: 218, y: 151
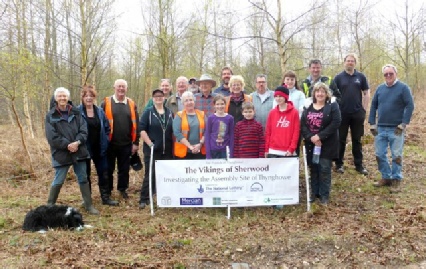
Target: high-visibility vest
x: 307, y: 85
x: 180, y: 149
x: 108, y: 112
x: 247, y: 98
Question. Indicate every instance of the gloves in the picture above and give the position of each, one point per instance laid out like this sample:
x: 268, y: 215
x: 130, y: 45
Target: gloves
x: 373, y: 130
x: 399, y: 129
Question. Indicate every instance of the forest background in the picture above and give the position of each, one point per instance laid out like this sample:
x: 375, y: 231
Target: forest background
x: 45, y: 44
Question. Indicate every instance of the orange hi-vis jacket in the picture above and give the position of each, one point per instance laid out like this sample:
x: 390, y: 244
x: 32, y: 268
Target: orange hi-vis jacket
x: 180, y: 149
x: 108, y: 112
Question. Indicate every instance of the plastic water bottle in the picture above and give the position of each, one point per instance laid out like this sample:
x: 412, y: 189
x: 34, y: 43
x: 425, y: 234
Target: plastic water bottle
x: 316, y: 155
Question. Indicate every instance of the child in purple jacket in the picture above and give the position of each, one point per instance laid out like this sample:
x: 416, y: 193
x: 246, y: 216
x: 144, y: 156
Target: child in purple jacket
x: 219, y: 131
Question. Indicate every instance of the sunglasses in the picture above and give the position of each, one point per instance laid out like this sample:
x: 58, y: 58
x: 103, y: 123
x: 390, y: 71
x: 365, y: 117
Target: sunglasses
x: 388, y: 74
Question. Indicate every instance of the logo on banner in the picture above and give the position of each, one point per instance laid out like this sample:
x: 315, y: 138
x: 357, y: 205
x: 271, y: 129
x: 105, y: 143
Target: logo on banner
x: 200, y: 189
x: 217, y: 201
x: 256, y: 187
x: 191, y: 201
x: 167, y: 200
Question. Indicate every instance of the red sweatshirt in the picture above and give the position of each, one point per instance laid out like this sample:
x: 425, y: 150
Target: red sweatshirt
x: 282, y: 129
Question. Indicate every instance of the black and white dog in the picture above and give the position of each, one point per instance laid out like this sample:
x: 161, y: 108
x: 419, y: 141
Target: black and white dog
x: 56, y: 216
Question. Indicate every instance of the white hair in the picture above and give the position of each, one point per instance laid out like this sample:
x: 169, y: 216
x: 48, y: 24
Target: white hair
x: 119, y: 81
x: 391, y: 66
x: 186, y: 95
x: 61, y: 89
x: 183, y: 78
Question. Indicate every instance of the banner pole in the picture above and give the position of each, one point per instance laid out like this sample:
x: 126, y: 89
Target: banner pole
x: 151, y: 160
x: 308, y: 202
x: 227, y: 159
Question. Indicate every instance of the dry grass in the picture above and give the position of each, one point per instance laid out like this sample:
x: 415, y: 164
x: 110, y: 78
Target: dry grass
x: 362, y: 226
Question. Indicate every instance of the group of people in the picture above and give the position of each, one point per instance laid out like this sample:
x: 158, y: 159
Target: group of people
x: 196, y: 122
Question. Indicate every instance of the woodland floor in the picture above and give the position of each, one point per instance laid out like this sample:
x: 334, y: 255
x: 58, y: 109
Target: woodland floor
x: 362, y: 227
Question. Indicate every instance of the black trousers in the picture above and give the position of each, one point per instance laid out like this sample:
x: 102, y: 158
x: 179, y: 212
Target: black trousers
x: 145, y: 184
x: 122, y: 155
x: 101, y: 168
x: 354, y: 121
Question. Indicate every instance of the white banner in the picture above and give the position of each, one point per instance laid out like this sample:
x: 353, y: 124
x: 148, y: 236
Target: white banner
x: 221, y: 183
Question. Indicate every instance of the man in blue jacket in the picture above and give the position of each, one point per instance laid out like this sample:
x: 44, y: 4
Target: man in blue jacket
x: 393, y: 104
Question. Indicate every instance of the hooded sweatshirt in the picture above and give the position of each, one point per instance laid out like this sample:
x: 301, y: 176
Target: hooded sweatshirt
x: 282, y: 129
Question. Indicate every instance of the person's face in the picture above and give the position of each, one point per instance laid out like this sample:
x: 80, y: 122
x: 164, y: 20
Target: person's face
x: 290, y: 82
x: 62, y: 99
x: 390, y: 75
x: 236, y: 87
x: 165, y: 87
x: 315, y: 70
x: 248, y: 114
x: 205, y: 87
x: 120, y: 90
x: 226, y: 75
x: 181, y: 86
x: 158, y: 98
x: 280, y: 100
x: 88, y: 99
x: 189, y: 103
x: 192, y: 84
x: 350, y: 63
x: 261, y: 85
x: 320, y: 95
x: 219, y: 106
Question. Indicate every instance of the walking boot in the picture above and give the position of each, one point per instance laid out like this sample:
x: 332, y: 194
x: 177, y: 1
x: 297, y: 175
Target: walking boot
x: 396, y: 186
x: 87, y: 198
x: 105, y: 196
x: 53, y: 194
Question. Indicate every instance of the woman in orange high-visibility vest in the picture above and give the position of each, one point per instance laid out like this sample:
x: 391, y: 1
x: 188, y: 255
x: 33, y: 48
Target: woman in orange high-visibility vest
x: 188, y: 129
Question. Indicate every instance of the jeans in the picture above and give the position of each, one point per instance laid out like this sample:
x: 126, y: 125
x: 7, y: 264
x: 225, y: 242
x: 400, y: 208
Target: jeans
x: 321, y: 178
x: 218, y: 154
x: 122, y: 154
x: 145, y: 184
x: 385, y: 137
x: 79, y: 170
x: 354, y: 121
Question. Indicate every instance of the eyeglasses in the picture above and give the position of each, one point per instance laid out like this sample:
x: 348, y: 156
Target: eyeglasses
x: 261, y: 82
x: 388, y: 74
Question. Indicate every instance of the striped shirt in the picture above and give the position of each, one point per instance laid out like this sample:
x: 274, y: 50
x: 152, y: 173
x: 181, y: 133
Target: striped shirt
x: 249, y: 140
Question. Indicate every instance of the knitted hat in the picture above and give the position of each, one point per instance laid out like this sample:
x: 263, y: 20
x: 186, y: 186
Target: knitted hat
x: 282, y: 91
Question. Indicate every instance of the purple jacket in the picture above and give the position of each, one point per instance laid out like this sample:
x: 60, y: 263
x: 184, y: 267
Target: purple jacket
x: 219, y: 134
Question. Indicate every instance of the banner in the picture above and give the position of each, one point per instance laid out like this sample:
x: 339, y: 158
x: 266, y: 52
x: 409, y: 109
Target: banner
x: 233, y: 182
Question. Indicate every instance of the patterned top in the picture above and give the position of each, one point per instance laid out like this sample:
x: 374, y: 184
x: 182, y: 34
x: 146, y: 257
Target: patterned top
x: 249, y: 141
x: 204, y: 103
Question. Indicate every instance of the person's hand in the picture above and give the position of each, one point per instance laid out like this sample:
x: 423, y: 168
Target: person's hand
x: 315, y: 139
x: 196, y: 148
x: 399, y: 129
x: 373, y: 130
x: 73, y: 147
x: 135, y: 148
x: 151, y: 145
